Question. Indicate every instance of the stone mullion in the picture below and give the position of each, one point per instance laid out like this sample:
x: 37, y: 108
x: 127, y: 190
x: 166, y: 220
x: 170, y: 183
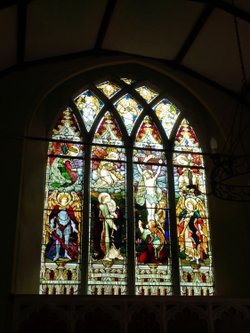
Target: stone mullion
x: 85, y: 246
x: 130, y: 224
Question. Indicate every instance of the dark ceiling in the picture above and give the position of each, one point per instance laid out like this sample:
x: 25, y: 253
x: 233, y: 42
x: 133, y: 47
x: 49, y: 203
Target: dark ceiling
x: 207, y: 39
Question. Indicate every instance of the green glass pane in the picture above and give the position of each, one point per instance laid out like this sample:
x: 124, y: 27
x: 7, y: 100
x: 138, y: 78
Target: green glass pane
x: 65, y: 166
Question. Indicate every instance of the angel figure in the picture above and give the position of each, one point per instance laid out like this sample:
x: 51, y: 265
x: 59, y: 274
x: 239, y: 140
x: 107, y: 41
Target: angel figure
x: 107, y: 173
x: 89, y: 107
x: 63, y: 171
x: 192, y: 228
x: 128, y: 109
x: 63, y: 217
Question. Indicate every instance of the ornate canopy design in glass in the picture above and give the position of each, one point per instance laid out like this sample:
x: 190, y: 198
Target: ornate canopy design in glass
x: 119, y: 204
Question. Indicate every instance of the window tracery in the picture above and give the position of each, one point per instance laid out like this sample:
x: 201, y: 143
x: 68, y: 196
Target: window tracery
x: 130, y: 186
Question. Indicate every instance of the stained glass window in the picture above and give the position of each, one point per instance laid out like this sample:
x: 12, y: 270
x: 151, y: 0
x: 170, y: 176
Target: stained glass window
x: 89, y: 106
x: 128, y: 81
x: 195, y: 257
x: 107, y: 257
x: 109, y: 88
x: 99, y: 194
x: 61, y: 250
x: 129, y: 110
x: 146, y: 93
x: 167, y: 114
x: 152, y: 243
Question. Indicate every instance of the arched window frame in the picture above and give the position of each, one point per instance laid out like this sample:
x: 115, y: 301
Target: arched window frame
x: 129, y: 139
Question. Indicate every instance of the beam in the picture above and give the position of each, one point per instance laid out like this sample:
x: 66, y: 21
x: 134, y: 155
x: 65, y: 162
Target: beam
x: 21, y: 30
x: 110, y: 53
x: 105, y: 23
x: 7, y: 3
x: 193, y: 34
x: 227, y: 7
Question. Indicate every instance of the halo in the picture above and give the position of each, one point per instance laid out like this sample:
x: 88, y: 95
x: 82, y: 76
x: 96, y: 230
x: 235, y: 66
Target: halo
x: 101, y: 195
x: 62, y: 195
x: 192, y: 201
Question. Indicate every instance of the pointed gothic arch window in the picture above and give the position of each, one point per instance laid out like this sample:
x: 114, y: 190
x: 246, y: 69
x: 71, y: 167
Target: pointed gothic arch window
x: 125, y: 208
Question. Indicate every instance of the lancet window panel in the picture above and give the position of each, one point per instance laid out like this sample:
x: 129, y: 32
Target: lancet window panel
x: 139, y: 208
x: 195, y: 256
x: 61, y: 242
